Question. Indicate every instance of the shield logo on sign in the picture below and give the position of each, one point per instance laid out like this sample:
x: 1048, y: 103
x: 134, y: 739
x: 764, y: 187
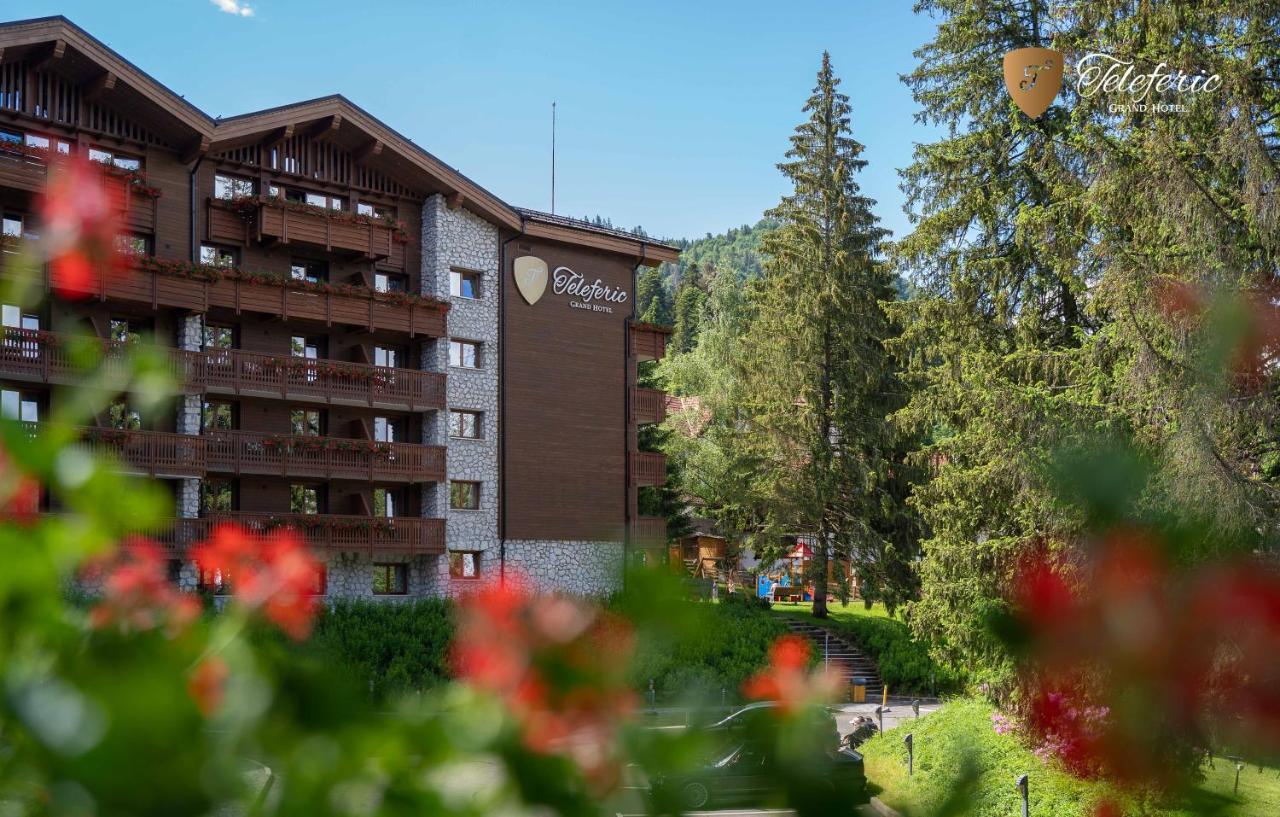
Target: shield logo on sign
x: 1033, y: 77
x: 531, y: 277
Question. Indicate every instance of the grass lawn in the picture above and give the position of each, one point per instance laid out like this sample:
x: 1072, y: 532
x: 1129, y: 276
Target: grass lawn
x: 904, y: 663
x: 957, y: 752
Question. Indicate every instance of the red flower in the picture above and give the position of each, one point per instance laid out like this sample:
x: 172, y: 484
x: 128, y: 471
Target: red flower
x: 207, y: 684
x: 274, y: 573
x: 137, y: 593
x: 80, y: 227
x: 787, y: 680
x: 559, y: 666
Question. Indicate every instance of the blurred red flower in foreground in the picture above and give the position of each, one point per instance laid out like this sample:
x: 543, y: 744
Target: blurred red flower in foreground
x: 80, y: 227
x: 559, y: 666
x: 274, y: 573
x: 207, y: 684
x: 19, y: 493
x: 1136, y: 667
x: 137, y: 593
x: 788, y: 679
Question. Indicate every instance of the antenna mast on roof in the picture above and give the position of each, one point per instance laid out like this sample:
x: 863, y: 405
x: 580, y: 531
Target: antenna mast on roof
x: 553, y: 158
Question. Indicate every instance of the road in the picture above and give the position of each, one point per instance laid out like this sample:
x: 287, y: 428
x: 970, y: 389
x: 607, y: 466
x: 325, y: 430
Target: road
x: 631, y: 800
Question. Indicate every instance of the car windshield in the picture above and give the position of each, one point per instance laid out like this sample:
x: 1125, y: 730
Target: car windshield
x: 741, y: 715
x: 728, y: 759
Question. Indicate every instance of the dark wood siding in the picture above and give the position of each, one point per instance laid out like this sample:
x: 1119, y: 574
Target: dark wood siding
x: 565, y: 422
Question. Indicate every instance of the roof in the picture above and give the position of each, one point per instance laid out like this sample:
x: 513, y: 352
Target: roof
x: 208, y: 133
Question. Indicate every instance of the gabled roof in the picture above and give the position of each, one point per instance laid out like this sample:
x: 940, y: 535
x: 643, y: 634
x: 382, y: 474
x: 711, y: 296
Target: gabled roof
x: 129, y: 89
x: 88, y: 57
x: 345, y: 115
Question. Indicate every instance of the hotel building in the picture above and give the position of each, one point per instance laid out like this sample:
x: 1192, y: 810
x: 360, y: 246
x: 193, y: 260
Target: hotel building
x: 430, y: 385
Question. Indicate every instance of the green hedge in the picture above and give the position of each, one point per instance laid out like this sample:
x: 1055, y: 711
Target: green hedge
x: 716, y: 647
x: 388, y: 648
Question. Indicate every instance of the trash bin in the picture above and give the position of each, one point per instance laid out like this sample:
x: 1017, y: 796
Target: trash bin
x: 859, y: 690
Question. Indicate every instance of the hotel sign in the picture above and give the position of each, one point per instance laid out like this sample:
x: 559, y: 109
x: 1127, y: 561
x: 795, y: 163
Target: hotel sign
x: 594, y: 296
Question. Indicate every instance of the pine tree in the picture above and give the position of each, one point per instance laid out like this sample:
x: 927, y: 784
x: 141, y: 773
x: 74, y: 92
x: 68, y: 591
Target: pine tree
x: 653, y: 301
x: 690, y: 307
x: 815, y: 371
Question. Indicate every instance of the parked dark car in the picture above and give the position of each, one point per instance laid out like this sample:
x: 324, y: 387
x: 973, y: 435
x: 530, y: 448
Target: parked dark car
x: 755, y: 721
x: 747, y: 775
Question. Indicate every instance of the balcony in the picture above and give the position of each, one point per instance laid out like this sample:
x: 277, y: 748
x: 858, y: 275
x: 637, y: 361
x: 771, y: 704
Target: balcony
x: 254, y: 452
x: 648, y: 342
x: 28, y: 170
x: 279, y: 297
x: 44, y: 357
x: 649, y: 531
x: 648, y: 405
x: 322, y: 532
x: 648, y: 468
x: 288, y: 224
x: 154, y: 453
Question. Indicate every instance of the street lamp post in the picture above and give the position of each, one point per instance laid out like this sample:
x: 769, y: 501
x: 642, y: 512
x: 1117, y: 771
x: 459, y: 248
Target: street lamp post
x: 910, y: 753
x: 1026, y: 801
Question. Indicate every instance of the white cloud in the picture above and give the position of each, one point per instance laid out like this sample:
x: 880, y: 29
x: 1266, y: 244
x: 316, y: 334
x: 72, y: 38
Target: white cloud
x: 234, y: 7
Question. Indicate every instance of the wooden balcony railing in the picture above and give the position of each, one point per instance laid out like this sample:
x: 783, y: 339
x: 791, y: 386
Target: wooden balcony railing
x: 648, y: 342
x: 322, y: 532
x: 45, y: 357
x: 648, y: 468
x: 649, y: 531
x: 253, y: 452
x: 648, y: 405
x: 280, y: 297
x: 163, y: 453
x: 271, y: 221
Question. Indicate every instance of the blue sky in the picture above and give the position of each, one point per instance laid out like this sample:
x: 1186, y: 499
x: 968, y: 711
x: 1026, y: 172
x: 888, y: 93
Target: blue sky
x: 672, y: 115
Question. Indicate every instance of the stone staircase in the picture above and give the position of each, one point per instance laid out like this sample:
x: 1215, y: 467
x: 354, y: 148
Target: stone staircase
x: 842, y: 656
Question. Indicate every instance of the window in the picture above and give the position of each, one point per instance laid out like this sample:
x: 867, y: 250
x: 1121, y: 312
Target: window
x: 219, y: 337
x: 12, y: 317
x: 35, y: 140
x: 390, y: 579
x: 20, y: 405
x: 294, y: 196
x: 218, y: 415
x: 212, y: 256
x: 306, y: 499
x: 312, y: 348
x: 464, y: 564
x: 131, y: 244
x: 463, y: 284
x: 464, y: 496
x: 321, y: 200
x: 464, y: 424
x: 12, y: 225
x: 110, y: 157
x: 217, y: 495
x: 128, y: 330
x: 121, y: 415
x: 314, y: 272
x: 8, y: 137
x: 213, y: 581
x: 464, y: 354
x: 232, y: 187
x: 388, y: 430
x: 390, y: 282
x: 388, y: 356
x: 307, y: 422
x: 387, y: 502
x: 364, y: 208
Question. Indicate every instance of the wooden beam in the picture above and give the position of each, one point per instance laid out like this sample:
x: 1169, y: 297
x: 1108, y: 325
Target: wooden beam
x: 275, y: 137
x: 99, y: 86
x: 195, y: 149
x: 51, y: 54
x: 367, y: 151
x: 454, y: 200
x: 326, y: 127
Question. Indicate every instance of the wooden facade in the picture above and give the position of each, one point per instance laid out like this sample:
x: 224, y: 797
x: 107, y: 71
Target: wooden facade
x: 291, y: 239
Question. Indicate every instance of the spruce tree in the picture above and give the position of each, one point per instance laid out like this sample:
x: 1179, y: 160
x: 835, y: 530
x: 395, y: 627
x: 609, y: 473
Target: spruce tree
x: 690, y: 307
x: 816, y: 374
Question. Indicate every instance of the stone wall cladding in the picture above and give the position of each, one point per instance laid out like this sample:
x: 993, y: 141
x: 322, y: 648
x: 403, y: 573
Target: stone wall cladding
x: 190, y: 339
x: 458, y: 239
x: 578, y: 568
